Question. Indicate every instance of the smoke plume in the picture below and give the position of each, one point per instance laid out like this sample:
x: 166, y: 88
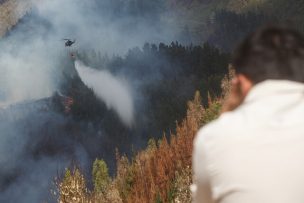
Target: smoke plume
x: 113, y: 91
x: 37, y: 144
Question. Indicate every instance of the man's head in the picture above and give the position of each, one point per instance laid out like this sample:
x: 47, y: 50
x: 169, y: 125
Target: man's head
x: 271, y: 53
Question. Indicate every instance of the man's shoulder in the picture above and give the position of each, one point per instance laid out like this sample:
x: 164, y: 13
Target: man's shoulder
x: 228, y: 124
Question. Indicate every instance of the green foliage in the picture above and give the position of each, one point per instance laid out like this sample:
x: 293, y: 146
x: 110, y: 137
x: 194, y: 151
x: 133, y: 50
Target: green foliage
x: 172, y: 193
x: 152, y: 144
x: 67, y: 174
x: 212, y: 112
x: 158, y: 199
x: 129, y: 179
x: 101, y: 178
x: 125, y: 176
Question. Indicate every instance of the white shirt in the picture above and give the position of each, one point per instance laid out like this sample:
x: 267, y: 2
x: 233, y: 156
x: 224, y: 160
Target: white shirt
x: 254, y: 154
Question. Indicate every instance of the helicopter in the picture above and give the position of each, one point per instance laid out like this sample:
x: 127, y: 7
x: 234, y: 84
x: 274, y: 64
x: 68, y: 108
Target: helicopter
x: 69, y: 42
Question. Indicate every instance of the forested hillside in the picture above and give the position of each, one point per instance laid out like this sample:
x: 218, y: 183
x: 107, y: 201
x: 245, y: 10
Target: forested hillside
x: 196, y: 19
x: 165, y: 78
x: 72, y: 126
x: 160, y: 173
x: 225, y: 22
x: 163, y: 51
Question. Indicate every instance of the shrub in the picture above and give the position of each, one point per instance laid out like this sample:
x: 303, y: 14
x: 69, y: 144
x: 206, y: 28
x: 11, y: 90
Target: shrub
x: 73, y: 188
x: 100, y: 174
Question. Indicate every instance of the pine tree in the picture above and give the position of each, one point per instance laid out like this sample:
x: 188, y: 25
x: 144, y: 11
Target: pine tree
x: 101, y: 178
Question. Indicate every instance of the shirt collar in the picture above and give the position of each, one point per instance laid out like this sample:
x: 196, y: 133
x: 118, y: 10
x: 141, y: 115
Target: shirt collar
x: 273, y: 87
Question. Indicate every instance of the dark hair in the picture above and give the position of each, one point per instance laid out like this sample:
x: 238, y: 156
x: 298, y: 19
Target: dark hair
x: 272, y: 52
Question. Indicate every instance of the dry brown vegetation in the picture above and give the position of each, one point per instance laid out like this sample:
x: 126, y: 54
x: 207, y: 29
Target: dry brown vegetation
x: 10, y: 13
x: 155, y: 169
x: 161, y: 173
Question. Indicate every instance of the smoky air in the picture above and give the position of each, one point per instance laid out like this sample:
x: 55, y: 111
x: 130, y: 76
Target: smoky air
x: 39, y: 136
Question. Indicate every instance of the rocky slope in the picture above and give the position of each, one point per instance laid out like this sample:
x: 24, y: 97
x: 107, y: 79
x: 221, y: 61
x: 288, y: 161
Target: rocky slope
x: 10, y: 13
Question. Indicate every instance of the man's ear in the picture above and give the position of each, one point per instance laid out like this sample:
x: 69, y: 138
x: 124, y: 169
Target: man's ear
x: 245, y: 84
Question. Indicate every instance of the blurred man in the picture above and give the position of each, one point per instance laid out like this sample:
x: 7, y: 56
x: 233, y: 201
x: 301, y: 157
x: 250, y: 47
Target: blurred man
x: 254, y: 152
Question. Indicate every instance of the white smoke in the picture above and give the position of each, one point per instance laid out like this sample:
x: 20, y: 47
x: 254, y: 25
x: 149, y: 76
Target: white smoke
x: 29, y: 56
x: 113, y: 91
x: 31, y: 66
